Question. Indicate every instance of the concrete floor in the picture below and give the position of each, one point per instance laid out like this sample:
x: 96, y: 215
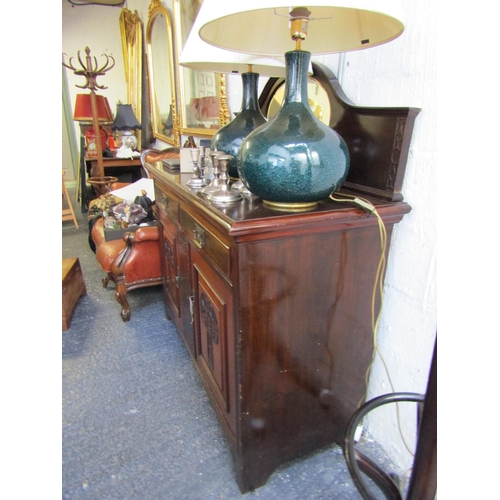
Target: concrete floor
x: 136, y: 420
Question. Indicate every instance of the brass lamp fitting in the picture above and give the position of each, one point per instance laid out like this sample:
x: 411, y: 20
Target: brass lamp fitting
x: 299, y: 20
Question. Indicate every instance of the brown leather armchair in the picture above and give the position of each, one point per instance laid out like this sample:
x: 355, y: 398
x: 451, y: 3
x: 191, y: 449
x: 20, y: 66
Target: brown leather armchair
x: 131, y: 262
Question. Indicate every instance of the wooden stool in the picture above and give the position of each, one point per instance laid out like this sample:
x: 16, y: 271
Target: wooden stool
x: 67, y: 213
x: 73, y: 287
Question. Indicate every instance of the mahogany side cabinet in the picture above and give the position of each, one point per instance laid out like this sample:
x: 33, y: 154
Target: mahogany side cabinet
x: 275, y: 311
x: 275, y: 307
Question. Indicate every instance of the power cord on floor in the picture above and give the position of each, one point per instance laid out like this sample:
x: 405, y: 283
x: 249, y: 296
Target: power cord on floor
x: 378, y: 286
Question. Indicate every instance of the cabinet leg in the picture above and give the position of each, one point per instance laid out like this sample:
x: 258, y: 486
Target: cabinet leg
x: 249, y: 477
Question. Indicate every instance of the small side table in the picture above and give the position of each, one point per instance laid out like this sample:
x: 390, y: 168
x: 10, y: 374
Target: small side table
x: 123, y: 165
x: 112, y: 167
x: 73, y: 287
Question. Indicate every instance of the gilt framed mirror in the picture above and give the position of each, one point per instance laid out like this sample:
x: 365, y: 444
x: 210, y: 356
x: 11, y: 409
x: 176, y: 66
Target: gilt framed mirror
x: 131, y: 35
x: 161, y: 74
x: 202, y: 94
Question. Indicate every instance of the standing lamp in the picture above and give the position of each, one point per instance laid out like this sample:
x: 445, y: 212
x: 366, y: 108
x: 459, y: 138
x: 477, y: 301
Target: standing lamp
x: 90, y: 71
x: 199, y: 55
x: 126, y: 122
x: 294, y: 160
x: 83, y: 113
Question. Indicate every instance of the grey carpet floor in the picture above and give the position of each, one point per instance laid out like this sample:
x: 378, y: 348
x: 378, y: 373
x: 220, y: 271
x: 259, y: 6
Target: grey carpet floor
x: 136, y: 420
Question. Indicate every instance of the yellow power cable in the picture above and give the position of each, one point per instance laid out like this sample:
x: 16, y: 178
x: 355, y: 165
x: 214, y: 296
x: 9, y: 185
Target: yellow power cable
x: 378, y: 285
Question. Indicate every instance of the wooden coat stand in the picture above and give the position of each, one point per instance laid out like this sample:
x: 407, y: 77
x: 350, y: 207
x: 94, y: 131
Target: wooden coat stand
x: 91, y: 71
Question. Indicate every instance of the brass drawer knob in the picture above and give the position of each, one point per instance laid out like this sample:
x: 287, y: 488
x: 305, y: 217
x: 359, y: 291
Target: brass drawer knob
x: 199, y: 236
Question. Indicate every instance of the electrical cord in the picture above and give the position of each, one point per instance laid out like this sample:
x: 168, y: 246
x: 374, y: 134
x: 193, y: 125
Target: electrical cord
x: 378, y: 287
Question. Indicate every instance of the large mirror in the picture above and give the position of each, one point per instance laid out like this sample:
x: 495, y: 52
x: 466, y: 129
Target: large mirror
x: 202, y: 94
x: 131, y: 35
x: 160, y: 55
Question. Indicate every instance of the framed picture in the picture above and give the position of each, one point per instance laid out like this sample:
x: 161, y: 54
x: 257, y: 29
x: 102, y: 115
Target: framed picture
x: 202, y: 94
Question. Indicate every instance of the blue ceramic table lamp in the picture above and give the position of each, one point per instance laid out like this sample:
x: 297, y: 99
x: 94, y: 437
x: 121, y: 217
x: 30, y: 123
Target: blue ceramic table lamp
x: 199, y: 55
x: 294, y: 160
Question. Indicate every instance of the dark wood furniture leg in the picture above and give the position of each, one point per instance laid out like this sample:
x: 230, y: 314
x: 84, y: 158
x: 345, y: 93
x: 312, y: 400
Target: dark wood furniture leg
x: 121, y: 297
x: 423, y: 482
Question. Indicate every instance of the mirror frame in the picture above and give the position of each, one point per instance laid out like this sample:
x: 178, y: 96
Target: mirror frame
x: 276, y: 84
x: 131, y: 35
x: 179, y: 7
x: 155, y: 10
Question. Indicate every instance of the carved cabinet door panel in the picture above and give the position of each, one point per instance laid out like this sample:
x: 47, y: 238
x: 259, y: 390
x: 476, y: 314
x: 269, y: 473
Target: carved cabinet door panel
x: 214, y: 335
x: 170, y: 261
x: 185, y: 291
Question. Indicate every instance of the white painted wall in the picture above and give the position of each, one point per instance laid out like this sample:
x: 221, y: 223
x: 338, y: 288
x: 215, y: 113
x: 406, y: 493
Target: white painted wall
x: 404, y: 73
x: 401, y: 73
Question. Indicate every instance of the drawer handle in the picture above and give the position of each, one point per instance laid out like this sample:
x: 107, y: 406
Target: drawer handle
x: 199, y: 236
x: 165, y: 201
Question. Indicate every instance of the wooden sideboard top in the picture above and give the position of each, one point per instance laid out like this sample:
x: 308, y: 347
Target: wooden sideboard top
x: 251, y: 216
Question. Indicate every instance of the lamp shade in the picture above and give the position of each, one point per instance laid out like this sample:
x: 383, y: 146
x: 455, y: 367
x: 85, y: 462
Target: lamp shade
x: 294, y: 160
x: 83, y: 108
x: 125, y: 118
x: 262, y: 26
x: 199, y: 55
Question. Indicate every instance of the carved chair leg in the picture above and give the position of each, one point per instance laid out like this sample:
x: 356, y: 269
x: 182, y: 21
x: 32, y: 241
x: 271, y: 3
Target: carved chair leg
x: 121, y: 297
x: 105, y: 281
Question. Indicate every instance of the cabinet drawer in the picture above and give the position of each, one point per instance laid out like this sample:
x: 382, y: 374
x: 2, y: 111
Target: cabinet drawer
x: 168, y: 204
x: 217, y: 251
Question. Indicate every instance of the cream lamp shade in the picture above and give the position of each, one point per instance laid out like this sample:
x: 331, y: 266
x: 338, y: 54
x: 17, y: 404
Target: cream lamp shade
x: 294, y: 161
x: 202, y: 56
x: 262, y: 26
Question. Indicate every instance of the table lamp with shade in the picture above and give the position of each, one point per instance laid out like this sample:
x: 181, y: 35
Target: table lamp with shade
x: 199, y: 55
x: 126, y: 123
x: 294, y: 160
x: 83, y: 113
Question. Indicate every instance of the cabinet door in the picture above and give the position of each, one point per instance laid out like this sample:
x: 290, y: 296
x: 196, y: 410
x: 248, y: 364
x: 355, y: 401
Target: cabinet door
x: 214, y: 336
x: 170, y: 269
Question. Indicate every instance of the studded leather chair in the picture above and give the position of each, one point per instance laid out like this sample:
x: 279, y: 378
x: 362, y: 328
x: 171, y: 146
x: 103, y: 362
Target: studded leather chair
x: 132, y: 261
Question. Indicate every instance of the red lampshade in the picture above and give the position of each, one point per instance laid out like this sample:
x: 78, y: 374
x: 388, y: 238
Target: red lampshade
x: 83, y: 108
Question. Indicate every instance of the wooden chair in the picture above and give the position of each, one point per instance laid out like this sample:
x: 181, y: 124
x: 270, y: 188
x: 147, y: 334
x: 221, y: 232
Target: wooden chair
x: 67, y: 213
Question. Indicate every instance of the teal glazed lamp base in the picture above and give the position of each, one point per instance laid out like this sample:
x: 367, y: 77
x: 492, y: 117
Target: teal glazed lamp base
x: 228, y: 139
x: 294, y: 160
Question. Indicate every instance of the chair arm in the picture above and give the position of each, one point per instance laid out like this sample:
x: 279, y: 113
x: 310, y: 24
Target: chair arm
x: 140, y: 259
x: 142, y: 234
